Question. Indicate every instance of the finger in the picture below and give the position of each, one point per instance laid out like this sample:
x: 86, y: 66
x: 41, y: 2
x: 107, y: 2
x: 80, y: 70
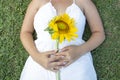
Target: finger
x: 55, y: 58
x: 54, y: 69
x: 57, y: 68
x: 67, y: 64
x: 62, y: 54
x: 52, y: 51
x: 54, y: 64
x: 64, y: 57
x: 49, y: 53
x: 56, y: 51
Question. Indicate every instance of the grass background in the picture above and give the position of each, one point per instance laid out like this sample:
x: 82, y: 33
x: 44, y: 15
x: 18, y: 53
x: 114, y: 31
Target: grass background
x: 12, y: 54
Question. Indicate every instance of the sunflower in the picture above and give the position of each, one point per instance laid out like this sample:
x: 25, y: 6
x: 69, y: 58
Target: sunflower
x: 62, y: 27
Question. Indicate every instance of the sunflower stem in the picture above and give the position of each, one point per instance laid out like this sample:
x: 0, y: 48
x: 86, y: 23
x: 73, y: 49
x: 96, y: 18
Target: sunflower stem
x: 57, y: 44
x: 58, y: 72
x: 58, y: 75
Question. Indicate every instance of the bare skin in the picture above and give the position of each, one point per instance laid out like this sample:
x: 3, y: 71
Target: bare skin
x: 70, y: 53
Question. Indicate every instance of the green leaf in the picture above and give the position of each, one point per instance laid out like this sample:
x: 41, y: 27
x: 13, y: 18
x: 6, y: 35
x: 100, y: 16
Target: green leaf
x: 50, y: 30
x: 47, y: 29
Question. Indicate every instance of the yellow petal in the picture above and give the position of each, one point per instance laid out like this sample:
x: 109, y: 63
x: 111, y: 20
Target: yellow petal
x: 67, y: 37
x: 55, y: 28
x: 61, y: 38
x: 55, y: 35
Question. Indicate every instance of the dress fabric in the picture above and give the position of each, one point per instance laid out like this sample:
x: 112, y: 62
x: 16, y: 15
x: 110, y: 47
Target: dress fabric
x: 81, y: 69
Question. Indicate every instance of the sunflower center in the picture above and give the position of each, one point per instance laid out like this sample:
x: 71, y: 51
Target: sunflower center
x: 62, y: 26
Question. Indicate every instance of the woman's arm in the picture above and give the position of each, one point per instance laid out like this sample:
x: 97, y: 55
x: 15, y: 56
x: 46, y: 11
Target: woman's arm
x: 27, y: 28
x: 96, y: 27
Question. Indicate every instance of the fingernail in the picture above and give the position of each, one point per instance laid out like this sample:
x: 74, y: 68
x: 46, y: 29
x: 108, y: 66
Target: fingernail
x: 62, y: 56
x: 52, y: 55
x: 64, y: 63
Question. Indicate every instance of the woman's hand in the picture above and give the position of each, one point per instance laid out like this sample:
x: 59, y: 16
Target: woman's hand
x: 49, y: 61
x: 71, y: 53
x: 57, y: 62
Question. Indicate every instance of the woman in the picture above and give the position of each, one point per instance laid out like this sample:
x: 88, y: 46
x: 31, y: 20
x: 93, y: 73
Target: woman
x: 74, y: 56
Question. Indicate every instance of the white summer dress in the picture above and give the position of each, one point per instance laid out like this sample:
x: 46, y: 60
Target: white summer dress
x: 81, y: 69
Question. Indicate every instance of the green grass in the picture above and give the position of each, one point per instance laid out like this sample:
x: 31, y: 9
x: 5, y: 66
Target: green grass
x: 12, y: 54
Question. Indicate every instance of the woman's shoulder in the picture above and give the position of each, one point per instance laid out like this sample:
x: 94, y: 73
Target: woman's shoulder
x: 83, y: 1
x: 83, y: 4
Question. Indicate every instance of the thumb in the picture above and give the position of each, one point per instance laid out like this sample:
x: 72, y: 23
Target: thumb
x: 56, y: 51
x: 49, y: 53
